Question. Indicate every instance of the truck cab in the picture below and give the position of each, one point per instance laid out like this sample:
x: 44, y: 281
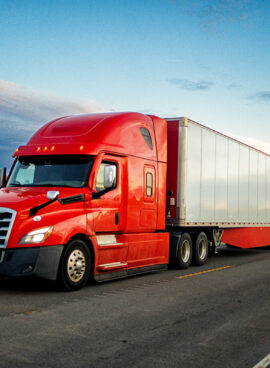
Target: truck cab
x: 86, y: 198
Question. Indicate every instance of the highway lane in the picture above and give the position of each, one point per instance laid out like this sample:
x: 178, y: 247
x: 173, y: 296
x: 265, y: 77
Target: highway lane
x: 219, y: 318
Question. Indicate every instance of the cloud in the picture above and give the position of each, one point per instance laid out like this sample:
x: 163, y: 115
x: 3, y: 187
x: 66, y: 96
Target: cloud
x: 256, y: 143
x: 191, y: 85
x: 211, y: 13
x: 23, y: 110
x: 26, y: 103
x: 234, y: 86
x: 262, y: 96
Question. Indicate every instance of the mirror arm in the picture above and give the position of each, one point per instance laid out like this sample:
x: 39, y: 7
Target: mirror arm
x: 3, y: 179
x: 96, y: 195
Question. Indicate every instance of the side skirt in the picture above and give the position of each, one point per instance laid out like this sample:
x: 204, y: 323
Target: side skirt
x: 131, y: 272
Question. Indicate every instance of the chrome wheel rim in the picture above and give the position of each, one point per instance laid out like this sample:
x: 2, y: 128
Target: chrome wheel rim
x: 76, y: 265
x: 185, y: 251
x: 202, y: 249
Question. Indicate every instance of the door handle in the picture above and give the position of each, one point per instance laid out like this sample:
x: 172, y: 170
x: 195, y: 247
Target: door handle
x: 117, y: 215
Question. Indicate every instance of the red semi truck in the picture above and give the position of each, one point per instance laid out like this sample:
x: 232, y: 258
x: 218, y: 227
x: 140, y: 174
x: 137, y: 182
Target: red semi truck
x: 114, y: 194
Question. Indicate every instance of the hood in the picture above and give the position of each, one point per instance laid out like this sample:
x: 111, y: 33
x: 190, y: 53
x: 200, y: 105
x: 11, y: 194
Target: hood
x: 24, y: 198
x: 66, y: 215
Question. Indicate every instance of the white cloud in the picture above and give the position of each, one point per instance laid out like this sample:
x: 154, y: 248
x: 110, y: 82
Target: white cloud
x: 256, y: 143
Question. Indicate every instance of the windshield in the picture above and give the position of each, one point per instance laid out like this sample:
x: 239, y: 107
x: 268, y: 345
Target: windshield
x: 51, y: 171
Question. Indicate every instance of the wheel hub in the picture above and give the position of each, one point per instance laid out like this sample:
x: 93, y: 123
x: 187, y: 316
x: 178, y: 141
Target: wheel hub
x: 76, y: 265
x: 202, y: 249
x: 185, y: 251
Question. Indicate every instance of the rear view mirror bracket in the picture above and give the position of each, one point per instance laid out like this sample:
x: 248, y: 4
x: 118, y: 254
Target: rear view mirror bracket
x: 3, y: 177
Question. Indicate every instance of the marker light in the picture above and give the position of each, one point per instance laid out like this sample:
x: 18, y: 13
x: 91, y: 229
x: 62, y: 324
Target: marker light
x: 37, y: 236
x: 45, y: 148
x: 52, y: 148
x: 81, y: 148
x: 38, y: 149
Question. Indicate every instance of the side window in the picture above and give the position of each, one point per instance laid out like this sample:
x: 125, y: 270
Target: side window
x: 149, y: 184
x: 147, y: 137
x: 149, y: 193
x: 107, y: 176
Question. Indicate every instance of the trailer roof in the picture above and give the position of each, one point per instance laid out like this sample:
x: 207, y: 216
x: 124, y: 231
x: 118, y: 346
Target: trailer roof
x: 217, y: 132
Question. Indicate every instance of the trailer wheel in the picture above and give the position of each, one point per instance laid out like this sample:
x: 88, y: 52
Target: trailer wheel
x: 200, y: 251
x: 184, y: 251
x: 74, y: 267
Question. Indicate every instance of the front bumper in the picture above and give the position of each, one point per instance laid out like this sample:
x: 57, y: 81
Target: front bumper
x: 39, y: 261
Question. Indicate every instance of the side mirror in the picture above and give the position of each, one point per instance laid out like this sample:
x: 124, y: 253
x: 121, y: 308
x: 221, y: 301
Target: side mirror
x: 3, y: 177
x: 109, y: 176
x: 52, y: 195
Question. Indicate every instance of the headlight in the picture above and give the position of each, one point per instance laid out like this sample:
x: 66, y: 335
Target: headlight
x: 37, y: 236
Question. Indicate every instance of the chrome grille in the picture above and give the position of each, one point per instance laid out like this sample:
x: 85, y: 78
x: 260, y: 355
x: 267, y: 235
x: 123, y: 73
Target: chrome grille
x: 7, y: 217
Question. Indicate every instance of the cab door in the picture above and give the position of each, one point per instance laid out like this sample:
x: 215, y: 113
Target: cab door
x: 106, y: 196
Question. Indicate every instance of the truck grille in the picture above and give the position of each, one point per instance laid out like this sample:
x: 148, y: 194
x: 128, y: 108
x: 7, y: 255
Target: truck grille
x: 7, y: 217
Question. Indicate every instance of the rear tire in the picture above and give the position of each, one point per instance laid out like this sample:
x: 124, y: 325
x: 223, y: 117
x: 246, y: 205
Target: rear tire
x: 74, y: 267
x: 184, y: 251
x: 201, y: 249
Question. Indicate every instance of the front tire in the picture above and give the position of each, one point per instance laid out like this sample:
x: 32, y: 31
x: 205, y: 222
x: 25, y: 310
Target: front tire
x: 75, y: 265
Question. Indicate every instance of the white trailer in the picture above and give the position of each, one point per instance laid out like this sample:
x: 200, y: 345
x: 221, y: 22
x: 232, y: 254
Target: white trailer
x: 214, y: 182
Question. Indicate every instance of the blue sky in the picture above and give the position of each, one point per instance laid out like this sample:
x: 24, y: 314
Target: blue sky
x: 208, y: 60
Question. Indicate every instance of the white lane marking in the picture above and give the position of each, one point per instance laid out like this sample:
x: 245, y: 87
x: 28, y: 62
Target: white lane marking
x: 265, y: 363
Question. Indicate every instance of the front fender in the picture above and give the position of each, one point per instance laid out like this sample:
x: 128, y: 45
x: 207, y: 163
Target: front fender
x: 65, y: 224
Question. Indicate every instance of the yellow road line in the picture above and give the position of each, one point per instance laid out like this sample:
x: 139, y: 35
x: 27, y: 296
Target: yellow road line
x: 200, y: 273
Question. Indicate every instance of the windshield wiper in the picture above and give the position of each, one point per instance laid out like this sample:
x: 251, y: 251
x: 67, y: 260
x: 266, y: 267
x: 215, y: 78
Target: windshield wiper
x: 30, y: 185
x: 41, y: 185
x: 67, y: 186
x: 53, y: 185
x: 15, y: 185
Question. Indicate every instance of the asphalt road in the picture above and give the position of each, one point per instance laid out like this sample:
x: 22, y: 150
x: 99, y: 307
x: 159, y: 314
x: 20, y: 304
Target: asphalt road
x: 218, y: 318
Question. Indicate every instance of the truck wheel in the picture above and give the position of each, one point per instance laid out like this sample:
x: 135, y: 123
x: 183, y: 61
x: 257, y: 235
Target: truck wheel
x: 74, y: 267
x: 184, y: 251
x: 200, y: 251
